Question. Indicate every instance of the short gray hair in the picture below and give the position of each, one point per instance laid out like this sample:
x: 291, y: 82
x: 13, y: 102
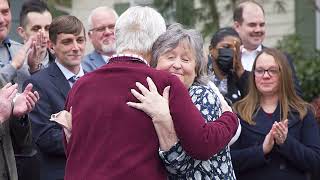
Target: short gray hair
x: 137, y: 29
x: 171, y: 39
x: 99, y: 9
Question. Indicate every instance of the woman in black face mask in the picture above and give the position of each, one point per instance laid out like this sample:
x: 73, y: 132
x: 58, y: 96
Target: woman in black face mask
x: 224, y: 65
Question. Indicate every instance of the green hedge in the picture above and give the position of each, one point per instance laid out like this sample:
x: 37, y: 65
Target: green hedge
x: 307, y: 65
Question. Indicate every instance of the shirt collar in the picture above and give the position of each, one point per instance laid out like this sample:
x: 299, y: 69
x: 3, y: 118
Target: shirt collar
x: 67, y: 73
x: 244, y: 50
x: 45, y: 61
x: 134, y: 57
x: 6, y: 42
x: 105, y: 58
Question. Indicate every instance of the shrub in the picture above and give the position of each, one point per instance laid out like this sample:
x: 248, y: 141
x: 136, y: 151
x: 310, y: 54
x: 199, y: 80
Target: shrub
x: 307, y: 65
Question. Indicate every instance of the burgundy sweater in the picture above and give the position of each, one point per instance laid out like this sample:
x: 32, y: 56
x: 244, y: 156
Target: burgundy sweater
x: 112, y: 141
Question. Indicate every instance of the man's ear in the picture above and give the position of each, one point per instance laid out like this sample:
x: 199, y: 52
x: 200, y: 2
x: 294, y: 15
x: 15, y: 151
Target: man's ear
x: 89, y: 34
x: 22, y: 33
x: 236, y: 25
x: 51, y: 47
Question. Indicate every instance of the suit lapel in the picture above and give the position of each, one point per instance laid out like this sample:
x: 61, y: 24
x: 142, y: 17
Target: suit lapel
x: 97, y: 59
x: 51, y: 57
x: 58, y: 79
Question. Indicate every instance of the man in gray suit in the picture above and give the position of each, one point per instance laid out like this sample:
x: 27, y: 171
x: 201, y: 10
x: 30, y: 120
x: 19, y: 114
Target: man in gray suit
x: 101, y: 34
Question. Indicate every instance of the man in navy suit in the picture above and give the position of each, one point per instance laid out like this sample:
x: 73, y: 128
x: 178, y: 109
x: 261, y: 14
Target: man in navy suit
x: 35, y: 19
x: 101, y: 33
x: 67, y: 36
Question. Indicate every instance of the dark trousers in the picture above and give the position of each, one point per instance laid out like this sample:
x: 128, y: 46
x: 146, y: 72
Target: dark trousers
x: 28, y: 166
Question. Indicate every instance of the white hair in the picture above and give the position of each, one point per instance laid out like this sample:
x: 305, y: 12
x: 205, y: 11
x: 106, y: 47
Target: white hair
x: 138, y: 28
x: 100, y: 9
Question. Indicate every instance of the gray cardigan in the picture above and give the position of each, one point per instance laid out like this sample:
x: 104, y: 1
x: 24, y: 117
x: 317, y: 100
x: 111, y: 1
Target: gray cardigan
x: 7, y: 72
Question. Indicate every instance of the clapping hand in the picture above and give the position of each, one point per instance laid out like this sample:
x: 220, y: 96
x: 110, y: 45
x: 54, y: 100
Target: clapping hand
x: 25, y: 102
x: 20, y: 56
x: 7, y: 93
x: 268, y: 143
x: 280, y: 131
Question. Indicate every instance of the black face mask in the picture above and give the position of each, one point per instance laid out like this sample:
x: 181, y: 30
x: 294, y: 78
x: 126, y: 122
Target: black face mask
x: 225, y: 60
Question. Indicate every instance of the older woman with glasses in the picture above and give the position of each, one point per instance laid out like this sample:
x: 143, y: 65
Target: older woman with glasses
x: 279, y: 138
x: 180, y: 52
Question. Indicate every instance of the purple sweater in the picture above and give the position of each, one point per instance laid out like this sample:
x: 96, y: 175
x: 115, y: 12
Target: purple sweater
x: 112, y: 141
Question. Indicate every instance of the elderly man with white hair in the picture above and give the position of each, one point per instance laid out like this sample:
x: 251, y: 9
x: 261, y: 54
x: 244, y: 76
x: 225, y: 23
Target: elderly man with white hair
x: 101, y: 23
x: 113, y: 141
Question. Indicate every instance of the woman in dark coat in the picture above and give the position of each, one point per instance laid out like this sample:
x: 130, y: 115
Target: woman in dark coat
x: 280, y: 137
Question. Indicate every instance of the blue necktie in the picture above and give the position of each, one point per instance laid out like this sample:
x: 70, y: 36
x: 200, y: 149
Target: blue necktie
x: 73, y: 79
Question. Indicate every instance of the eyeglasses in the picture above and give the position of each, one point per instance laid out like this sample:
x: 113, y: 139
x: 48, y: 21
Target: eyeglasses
x: 103, y: 28
x: 271, y: 72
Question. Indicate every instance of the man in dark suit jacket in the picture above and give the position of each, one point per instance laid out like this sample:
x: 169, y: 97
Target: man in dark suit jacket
x: 101, y: 33
x: 53, y: 83
x: 92, y: 61
x: 35, y: 19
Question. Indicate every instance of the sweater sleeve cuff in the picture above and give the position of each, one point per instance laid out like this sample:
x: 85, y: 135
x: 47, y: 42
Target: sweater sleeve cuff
x: 175, y: 153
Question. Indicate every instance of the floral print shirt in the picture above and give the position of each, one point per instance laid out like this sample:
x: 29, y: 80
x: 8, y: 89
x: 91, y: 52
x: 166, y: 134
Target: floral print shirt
x: 180, y: 165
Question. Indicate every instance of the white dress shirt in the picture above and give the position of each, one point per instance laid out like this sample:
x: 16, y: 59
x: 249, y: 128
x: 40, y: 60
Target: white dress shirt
x: 248, y: 57
x: 68, y: 74
x: 105, y: 58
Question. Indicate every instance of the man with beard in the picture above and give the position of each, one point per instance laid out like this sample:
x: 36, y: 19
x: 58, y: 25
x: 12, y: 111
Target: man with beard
x: 249, y: 22
x: 101, y: 33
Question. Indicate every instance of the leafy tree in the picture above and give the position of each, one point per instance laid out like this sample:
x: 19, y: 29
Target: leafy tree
x: 184, y: 12
x: 307, y: 65
x: 55, y: 11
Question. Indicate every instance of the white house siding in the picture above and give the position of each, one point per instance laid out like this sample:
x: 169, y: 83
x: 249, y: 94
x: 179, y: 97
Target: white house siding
x: 278, y: 23
x: 82, y: 9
